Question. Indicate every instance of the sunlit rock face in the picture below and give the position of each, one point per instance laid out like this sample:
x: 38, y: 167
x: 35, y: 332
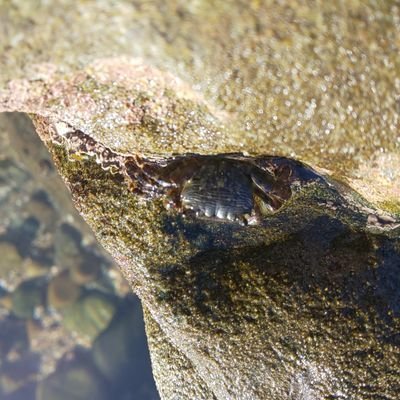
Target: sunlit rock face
x: 296, y: 295
x: 315, y: 82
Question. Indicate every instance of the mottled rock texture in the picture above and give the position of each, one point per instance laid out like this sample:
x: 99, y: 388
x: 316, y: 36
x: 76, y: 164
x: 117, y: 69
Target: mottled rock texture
x: 303, y: 306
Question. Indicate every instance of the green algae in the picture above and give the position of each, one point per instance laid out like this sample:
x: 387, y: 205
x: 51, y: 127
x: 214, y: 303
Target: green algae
x: 392, y: 206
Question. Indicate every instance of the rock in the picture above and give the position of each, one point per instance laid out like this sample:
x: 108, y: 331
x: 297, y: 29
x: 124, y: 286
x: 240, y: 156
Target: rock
x: 3, y: 292
x: 34, y: 268
x: 168, y: 362
x: 27, y: 392
x: 255, y: 311
x: 303, y: 303
x: 62, y: 291
x: 23, y: 234
x: 6, y: 300
x: 90, y: 315
x: 10, y: 259
x: 67, y: 246
x: 120, y: 356
x: 41, y: 208
x: 34, y: 329
x: 88, y: 270
x: 28, y: 296
x: 83, y: 264
x: 13, y: 336
x: 11, y: 176
x: 47, y: 336
x: 291, y: 79
x: 15, y: 374
x: 74, y: 379
x: 226, y: 295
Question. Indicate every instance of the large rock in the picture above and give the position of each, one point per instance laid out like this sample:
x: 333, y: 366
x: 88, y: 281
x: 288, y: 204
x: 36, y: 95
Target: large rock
x: 296, y: 307
x: 304, y: 304
x: 292, y: 306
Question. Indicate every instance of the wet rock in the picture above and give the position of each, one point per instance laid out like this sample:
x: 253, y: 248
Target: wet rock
x: 88, y: 270
x: 292, y: 79
x: 168, y: 362
x: 120, y: 356
x: 67, y: 247
x: 13, y: 336
x: 90, y: 315
x: 23, y: 233
x: 40, y: 207
x: 10, y: 259
x: 28, y: 296
x: 304, y: 304
x: 35, y: 207
x: 62, y: 291
x: 260, y: 310
x: 73, y: 379
x: 84, y: 265
x: 27, y: 392
x: 3, y: 291
x: 25, y: 151
x: 226, y: 295
x: 14, y: 374
x: 33, y: 268
x: 6, y: 300
x: 34, y: 328
x: 11, y: 177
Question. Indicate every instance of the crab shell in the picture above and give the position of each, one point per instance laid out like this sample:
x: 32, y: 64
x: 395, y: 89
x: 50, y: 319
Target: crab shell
x: 223, y: 187
x: 230, y: 187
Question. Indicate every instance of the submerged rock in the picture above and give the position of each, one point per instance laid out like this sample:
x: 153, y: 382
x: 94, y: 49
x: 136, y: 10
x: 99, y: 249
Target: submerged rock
x: 90, y: 314
x: 28, y: 297
x: 10, y: 259
x: 120, y: 356
x: 75, y: 378
x: 62, y: 291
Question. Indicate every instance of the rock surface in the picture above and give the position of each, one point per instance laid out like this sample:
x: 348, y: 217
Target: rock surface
x: 303, y: 306
x: 291, y: 308
x: 318, y: 82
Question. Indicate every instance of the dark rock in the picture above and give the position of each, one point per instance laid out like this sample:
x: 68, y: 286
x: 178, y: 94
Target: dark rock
x: 15, y: 374
x: 13, y: 336
x: 120, y: 356
x: 26, y: 392
x: 29, y: 295
x: 10, y: 259
x: 62, y: 291
x: 74, y: 379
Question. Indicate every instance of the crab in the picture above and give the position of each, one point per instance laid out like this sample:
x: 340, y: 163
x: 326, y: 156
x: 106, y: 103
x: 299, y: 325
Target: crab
x: 226, y: 187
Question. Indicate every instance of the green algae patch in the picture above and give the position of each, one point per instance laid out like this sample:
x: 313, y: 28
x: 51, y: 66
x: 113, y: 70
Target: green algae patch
x: 392, y: 206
